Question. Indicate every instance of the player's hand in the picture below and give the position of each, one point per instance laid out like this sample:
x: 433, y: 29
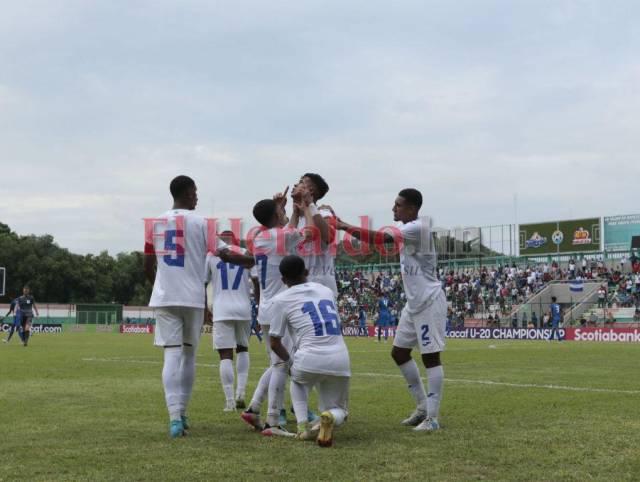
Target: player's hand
x: 299, y: 205
x: 281, y: 197
x: 326, y: 207
x: 341, y: 225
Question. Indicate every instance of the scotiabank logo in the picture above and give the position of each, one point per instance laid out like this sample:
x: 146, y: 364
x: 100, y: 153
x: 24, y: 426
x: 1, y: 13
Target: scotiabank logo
x: 136, y: 329
x: 612, y: 335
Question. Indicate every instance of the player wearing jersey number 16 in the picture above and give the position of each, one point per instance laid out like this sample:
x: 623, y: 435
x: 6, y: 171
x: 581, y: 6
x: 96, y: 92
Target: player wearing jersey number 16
x: 308, y: 311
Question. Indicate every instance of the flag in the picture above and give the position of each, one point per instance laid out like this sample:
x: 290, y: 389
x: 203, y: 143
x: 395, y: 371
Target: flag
x: 576, y: 286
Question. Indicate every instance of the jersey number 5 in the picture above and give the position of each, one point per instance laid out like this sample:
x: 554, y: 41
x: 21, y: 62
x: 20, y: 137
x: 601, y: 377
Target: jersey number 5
x: 171, y: 244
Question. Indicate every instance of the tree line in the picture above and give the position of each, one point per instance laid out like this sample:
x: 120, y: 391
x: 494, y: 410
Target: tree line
x: 56, y: 275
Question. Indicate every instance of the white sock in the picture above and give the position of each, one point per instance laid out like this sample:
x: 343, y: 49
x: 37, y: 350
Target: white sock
x: 276, y: 394
x: 226, y: 378
x: 171, y: 380
x: 261, y: 391
x: 187, y: 376
x: 300, y: 401
x: 339, y: 416
x: 435, y: 377
x: 242, y: 367
x: 416, y: 387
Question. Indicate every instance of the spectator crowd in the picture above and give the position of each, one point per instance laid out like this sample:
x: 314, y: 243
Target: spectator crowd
x: 490, y: 292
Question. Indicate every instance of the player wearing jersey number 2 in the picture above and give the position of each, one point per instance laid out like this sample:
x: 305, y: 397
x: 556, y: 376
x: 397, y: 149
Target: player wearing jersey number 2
x: 423, y: 320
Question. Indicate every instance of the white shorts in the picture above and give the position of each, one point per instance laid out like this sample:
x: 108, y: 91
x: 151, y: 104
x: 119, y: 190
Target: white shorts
x: 287, y: 342
x: 333, y: 391
x: 230, y: 334
x: 178, y: 325
x: 426, y: 329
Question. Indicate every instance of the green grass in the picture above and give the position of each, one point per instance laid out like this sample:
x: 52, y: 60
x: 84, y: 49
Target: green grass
x: 90, y: 407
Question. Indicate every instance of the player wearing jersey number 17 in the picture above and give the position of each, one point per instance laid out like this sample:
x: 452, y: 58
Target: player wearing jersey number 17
x: 308, y: 311
x: 423, y: 320
x: 231, y: 306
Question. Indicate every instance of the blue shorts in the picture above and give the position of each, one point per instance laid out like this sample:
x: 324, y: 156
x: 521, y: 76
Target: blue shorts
x: 384, y: 321
x: 17, y: 319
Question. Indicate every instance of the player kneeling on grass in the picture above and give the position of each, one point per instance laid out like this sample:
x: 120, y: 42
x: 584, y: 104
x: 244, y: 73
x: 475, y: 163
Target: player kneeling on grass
x: 307, y: 310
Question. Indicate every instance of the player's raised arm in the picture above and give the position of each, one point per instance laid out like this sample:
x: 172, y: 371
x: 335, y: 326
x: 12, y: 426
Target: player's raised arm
x: 231, y: 256
x: 364, y: 235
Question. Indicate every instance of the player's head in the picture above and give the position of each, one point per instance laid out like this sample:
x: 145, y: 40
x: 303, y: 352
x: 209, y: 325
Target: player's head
x: 293, y: 270
x: 229, y: 238
x: 26, y: 290
x: 407, y: 205
x: 267, y: 213
x: 315, y: 184
x: 554, y: 299
x: 184, y: 192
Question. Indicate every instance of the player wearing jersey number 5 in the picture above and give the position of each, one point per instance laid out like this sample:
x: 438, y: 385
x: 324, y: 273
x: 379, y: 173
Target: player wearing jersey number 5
x: 307, y: 310
x: 179, y: 251
x: 423, y: 319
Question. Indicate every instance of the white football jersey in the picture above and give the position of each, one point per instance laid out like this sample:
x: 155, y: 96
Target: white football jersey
x: 231, y: 288
x: 269, y: 247
x: 180, y: 244
x: 308, y: 312
x: 321, y: 265
x: 419, y: 264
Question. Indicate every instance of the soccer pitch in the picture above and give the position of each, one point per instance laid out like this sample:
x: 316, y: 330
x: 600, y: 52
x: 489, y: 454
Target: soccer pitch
x: 82, y: 406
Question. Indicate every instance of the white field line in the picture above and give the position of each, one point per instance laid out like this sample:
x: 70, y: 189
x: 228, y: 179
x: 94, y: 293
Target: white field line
x: 391, y: 375
x: 515, y: 385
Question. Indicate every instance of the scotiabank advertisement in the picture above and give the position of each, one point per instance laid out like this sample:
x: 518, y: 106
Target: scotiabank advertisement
x: 136, y: 329
x: 616, y: 335
x: 620, y: 335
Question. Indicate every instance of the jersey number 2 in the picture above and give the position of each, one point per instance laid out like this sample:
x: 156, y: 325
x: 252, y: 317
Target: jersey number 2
x: 425, y: 335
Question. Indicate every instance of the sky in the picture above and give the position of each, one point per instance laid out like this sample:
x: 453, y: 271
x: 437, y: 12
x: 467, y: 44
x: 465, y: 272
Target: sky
x: 497, y: 111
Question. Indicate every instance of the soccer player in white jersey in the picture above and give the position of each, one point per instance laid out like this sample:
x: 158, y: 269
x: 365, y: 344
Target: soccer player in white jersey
x: 423, y: 319
x: 179, y: 245
x: 231, y: 306
x: 316, y: 253
x: 308, y: 311
x: 270, y: 245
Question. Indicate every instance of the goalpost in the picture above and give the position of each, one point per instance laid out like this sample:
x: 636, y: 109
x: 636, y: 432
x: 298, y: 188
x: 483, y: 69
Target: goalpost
x: 3, y: 281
